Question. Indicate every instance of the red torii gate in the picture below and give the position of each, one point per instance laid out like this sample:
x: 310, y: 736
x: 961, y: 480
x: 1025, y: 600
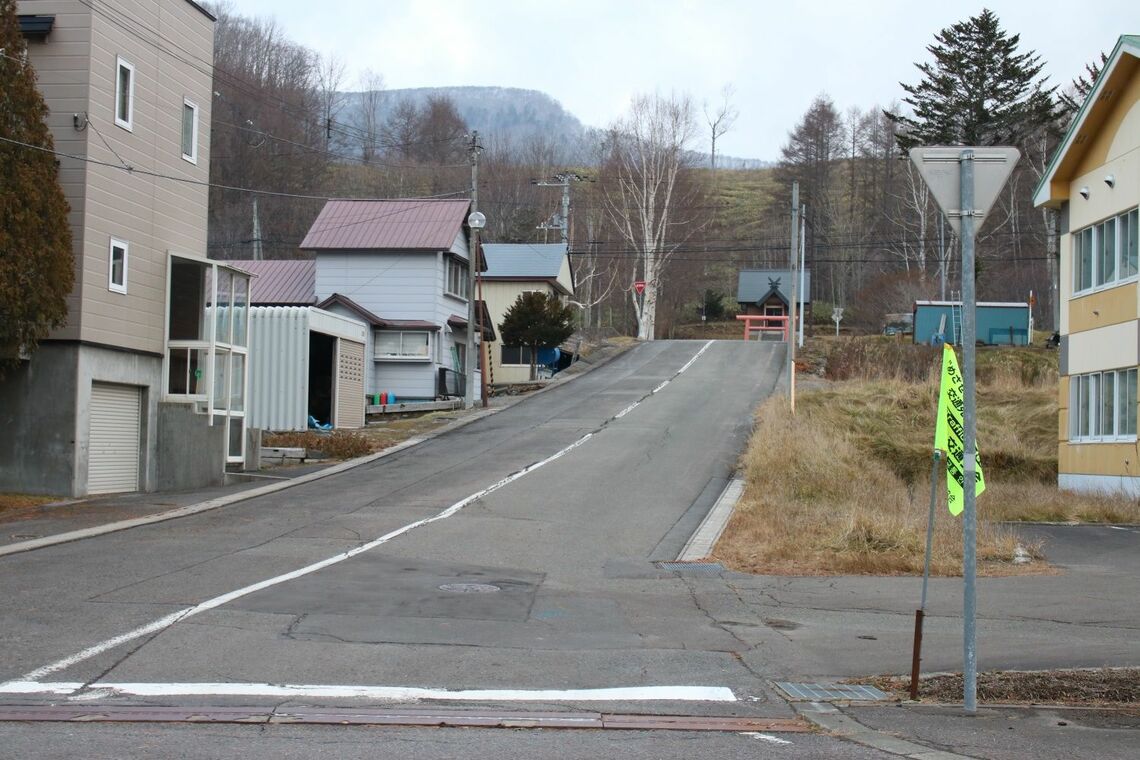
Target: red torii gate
x: 767, y: 323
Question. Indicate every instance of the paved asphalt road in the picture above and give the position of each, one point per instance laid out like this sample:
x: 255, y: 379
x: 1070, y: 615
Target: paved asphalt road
x: 630, y: 457
x: 589, y: 492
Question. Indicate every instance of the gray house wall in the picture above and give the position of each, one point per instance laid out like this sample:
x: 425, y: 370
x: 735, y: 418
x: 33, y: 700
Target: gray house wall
x: 113, y: 337
x: 37, y: 450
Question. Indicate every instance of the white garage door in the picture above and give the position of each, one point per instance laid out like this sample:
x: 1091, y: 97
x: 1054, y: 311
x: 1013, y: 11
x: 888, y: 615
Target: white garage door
x: 113, y: 458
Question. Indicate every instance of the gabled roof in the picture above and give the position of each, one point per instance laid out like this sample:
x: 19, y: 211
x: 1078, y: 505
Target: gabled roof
x: 281, y: 283
x: 336, y: 299
x: 531, y: 261
x: 486, y: 326
x: 526, y: 262
x: 1121, y: 66
x: 756, y: 285
x: 428, y: 224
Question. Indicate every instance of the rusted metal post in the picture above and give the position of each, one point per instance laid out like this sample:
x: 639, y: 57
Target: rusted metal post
x: 916, y: 658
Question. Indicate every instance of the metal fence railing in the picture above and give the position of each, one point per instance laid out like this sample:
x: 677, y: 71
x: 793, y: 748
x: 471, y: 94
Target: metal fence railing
x: 450, y: 383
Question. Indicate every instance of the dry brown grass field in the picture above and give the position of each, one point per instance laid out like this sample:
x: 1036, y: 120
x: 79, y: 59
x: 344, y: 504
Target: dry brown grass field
x: 843, y: 487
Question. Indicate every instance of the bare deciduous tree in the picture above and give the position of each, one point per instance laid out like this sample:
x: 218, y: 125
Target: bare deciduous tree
x: 367, y: 120
x: 649, y: 149
x: 720, y: 120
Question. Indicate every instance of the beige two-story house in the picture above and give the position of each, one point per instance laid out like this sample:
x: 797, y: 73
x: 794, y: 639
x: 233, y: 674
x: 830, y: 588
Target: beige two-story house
x: 1094, y: 182
x: 514, y: 269
x: 143, y: 389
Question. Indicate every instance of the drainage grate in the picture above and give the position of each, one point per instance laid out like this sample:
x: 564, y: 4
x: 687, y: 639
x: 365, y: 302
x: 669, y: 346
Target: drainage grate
x: 692, y: 568
x: 817, y: 692
x: 469, y: 588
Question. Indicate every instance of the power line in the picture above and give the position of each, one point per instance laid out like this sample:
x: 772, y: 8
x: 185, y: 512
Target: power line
x: 189, y: 181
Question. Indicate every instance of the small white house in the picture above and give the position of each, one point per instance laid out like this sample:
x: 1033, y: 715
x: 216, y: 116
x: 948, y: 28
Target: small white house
x: 306, y: 362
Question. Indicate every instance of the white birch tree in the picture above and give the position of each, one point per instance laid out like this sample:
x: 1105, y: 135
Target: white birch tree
x: 649, y: 150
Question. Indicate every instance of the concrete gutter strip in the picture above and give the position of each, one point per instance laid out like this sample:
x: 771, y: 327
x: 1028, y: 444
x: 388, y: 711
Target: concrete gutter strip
x: 830, y: 719
x: 253, y: 493
x: 701, y: 544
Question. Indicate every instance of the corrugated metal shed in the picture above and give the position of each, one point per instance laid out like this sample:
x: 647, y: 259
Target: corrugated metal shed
x: 413, y: 224
x: 524, y: 261
x: 279, y: 361
x: 998, y: 322
x: 281, y: 283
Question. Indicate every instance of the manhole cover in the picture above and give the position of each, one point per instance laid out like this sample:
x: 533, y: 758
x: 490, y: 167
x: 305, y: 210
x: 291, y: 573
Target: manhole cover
x: 469, y: 588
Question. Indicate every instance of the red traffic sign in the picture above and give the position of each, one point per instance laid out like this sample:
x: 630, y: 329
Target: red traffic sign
x: 639, y: 286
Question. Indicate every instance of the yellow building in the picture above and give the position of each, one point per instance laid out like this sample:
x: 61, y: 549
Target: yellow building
x: 514, y: 269
x: 1094, y: 181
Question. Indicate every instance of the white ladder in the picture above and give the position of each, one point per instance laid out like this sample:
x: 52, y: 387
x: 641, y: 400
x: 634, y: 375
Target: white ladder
x: 956, y: 316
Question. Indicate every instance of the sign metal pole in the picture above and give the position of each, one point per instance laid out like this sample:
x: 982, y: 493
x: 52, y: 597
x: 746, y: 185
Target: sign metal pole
x: 969, y: 415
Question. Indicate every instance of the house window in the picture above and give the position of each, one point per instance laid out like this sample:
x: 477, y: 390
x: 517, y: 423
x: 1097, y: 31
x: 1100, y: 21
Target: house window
x: 190, y: 131
x: 402, y: 345
x: 457, y: 278
x: 124, y: 94
x: 1102, y: 406
x: 117, y: 266
x: 1105, y: 253
x: 516, y: 356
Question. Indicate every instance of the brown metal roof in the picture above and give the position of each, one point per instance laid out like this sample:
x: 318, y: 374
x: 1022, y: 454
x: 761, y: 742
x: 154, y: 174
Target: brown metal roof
x: 486, y: 326
x: 336, y: 299
x: 409, y: 224
x: 281, y: 283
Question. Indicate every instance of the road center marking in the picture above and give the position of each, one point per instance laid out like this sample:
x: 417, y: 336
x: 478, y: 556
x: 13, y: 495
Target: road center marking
x: 29, y: 682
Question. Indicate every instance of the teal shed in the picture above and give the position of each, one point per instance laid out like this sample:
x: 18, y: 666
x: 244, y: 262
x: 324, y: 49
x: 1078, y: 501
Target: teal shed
x: 999, y: 323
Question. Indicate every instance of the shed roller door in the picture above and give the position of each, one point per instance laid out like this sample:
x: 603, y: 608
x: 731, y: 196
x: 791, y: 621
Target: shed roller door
x: 350, y: 384
x: 113, y: 453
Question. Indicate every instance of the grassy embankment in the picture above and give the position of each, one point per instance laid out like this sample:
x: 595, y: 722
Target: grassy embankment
x: 843, y: 487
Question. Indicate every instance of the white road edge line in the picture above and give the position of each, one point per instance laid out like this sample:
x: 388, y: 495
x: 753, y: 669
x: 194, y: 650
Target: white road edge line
x: 209, y: 604
x: 688, y: 364
x: 175, y: 617
x: 392, y: 693
x: 767, y: 738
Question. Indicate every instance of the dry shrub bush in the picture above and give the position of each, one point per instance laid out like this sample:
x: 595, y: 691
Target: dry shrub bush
x: 339, y: 444
x: 815, y: 503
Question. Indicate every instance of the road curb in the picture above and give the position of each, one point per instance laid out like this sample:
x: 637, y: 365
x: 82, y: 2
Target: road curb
x: 253, y: 493
x: 835, y: 722
x: 704, y: 538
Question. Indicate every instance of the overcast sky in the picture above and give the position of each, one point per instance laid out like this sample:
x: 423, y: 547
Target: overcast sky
x: 593, y: 55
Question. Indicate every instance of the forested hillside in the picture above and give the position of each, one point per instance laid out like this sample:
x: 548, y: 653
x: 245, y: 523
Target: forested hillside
x: 289, y: 130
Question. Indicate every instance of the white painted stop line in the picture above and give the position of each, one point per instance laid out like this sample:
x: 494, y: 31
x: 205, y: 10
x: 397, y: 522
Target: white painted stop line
x: 30, y: 683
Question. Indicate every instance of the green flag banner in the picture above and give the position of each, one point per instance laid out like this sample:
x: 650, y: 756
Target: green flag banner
x: 949, y: 434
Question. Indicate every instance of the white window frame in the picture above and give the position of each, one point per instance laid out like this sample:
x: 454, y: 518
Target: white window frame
x: 1094, y: 383
x: 1120, y: 254
x: 117, y: 287
x: 465, y: 278
x: 401, y: 357
x: 192, y: 156
x: 120, y: 64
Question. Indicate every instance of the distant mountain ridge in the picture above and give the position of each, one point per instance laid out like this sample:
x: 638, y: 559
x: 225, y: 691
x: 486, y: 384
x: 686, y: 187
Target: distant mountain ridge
x: 509, y: 114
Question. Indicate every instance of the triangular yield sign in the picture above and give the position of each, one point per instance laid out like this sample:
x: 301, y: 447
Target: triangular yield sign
x: 939, y: 167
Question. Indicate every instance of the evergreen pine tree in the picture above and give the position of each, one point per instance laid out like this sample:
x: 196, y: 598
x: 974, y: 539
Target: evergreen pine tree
x: 1073, y: 98
x: 978, y: 90
x: 536, y: 320
x: 36, y: 264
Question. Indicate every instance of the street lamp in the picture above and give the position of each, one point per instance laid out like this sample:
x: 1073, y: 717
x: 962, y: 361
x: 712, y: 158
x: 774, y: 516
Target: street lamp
x: 476, y: 222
